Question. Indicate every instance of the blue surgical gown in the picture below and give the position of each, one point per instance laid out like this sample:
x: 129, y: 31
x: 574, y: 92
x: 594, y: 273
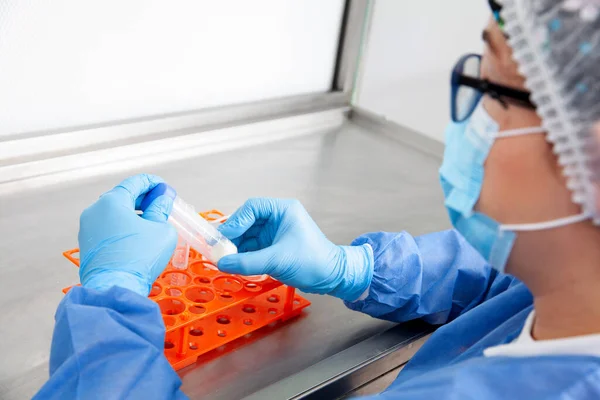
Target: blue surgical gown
x: 110, y: 344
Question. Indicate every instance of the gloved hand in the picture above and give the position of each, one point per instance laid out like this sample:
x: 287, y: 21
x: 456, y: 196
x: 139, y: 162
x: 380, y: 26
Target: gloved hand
x: 120, y: 248
x: 279, y: 238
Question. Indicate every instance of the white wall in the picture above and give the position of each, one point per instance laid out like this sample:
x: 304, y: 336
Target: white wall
x: 71, y: 62
x: 411, y: 49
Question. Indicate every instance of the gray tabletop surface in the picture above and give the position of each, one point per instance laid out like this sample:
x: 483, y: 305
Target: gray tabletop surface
x: 351, y: 180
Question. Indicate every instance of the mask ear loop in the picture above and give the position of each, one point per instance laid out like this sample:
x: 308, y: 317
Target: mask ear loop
x: 539, y: 226
x: 520, y: 132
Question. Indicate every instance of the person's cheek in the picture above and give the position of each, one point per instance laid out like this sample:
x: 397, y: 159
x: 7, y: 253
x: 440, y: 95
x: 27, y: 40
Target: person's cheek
x: 499, y: 193
x: 516, y: 185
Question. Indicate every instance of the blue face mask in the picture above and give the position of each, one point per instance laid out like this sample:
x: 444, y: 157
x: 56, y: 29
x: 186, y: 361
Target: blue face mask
x: 467, y: 147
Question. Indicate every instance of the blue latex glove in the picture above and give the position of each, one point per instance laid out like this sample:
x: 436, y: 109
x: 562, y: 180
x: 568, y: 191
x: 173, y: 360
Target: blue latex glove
x: 120, y: 248
x: 279, y: 238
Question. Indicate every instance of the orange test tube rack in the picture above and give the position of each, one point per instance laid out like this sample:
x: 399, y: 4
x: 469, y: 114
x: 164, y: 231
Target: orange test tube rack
x: 203, y: 308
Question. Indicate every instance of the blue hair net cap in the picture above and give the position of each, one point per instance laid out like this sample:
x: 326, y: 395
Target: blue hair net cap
x: 557, y: 46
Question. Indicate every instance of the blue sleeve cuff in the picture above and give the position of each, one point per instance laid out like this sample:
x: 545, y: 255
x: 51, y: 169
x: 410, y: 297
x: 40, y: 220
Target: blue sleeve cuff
x: 370, y: 267
x: 357, y: 274
x: 435, y: 277
x: 377, y: 281
x: 108, y: 279
x: 109, y: 344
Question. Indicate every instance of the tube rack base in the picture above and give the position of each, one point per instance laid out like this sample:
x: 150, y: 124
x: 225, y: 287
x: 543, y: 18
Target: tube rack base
x: 203, y: 308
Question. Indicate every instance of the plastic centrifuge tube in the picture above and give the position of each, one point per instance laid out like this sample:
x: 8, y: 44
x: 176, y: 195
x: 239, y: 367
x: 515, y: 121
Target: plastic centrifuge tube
x: 251, y: 278
x: 191, y: 227
x: 181, y: 256
x: 180, y: 259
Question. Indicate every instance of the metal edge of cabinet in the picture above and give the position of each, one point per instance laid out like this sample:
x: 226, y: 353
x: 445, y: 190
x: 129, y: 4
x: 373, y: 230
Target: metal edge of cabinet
x: 352, y: 368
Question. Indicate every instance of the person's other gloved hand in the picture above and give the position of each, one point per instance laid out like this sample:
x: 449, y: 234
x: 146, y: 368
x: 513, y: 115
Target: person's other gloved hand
x: 120, y: 248
x: 279, y: 238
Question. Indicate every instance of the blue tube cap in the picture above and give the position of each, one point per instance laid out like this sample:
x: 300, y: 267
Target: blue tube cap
x: 162, y: 189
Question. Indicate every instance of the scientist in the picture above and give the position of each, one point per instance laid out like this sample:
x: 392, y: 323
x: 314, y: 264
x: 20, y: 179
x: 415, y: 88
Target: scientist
x: 515, y: 288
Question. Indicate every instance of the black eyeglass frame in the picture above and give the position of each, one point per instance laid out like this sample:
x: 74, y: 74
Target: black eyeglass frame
x: 501, y: 93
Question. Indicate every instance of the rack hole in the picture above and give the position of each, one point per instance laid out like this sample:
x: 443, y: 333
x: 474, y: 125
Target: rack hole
x: 227, y: 283
x: 171, y: 306
x: 202, y: 267
x: 177, y: 278
x: 193, y: 346
x: 296, y: 301
x: 249, y: 308
x: 201, y: 281
x: 226, y: 297
x: 169, y: 345
x: 199, y: 294
x: 196, y: 332
x: 155, y: 291
x: 252, y: 287
x: 273, y: 298
x: 197, y: 309
x: 248, y: 321
x: 173, y: 292
x: 221, y: 333
x: 272, y: 311
x: 223, y: 319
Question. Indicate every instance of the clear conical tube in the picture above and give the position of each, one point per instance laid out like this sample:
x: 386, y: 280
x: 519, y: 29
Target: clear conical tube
x: 181, y: 255
x: 199, y: 233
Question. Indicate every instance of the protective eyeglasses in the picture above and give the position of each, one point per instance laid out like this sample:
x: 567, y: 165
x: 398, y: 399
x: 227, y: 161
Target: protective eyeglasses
x: 468, y: 88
